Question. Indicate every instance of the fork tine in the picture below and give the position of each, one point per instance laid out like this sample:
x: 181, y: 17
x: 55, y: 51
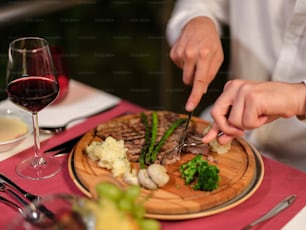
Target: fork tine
x: 167, y: 154
x: 11, y: 204
x: 179, y: 147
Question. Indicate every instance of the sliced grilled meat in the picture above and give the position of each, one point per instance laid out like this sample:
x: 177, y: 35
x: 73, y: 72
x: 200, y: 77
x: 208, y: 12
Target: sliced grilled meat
x: 132, y: 132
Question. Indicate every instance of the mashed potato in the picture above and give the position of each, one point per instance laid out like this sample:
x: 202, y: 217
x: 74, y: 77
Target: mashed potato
x: 110, y: 154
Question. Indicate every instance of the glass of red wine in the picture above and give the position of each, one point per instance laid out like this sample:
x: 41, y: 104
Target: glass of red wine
x: 32, y: 85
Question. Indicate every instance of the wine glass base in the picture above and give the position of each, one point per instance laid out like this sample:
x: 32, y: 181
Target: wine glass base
x: 38, y: 168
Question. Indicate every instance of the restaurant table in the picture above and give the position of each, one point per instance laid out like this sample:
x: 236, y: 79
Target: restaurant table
x: 278, y: 182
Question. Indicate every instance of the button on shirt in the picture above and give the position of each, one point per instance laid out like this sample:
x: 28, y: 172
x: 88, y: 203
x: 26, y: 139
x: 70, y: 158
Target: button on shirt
x: 268, y: 42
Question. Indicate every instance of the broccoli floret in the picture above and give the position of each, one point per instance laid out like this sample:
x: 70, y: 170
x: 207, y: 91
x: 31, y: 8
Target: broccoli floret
x: 205, y: 176
x: 208, y: 178
x: 189, y: 169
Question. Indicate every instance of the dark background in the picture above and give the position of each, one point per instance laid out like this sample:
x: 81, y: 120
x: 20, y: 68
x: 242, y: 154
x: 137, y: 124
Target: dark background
x: 116, y: 46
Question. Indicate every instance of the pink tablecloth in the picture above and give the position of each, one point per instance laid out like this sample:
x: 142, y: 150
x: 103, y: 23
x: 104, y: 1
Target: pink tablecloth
x: 279, y: 181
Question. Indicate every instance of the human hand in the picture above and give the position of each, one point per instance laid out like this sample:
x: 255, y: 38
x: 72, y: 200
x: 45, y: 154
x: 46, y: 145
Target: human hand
x: 245, y: 105
x: 198, y: 51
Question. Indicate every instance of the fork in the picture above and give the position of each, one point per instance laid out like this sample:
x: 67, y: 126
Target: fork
x: 4, y: 188
x: 27, y: 195
x: 11, y: 204
x: 182, y: 141
x: 31, y: 197
x: 34, y: 213
x: 59, y: 129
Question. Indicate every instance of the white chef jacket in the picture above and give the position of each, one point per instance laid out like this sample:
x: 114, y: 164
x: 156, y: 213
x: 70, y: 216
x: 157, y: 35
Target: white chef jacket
x: 268, y: 42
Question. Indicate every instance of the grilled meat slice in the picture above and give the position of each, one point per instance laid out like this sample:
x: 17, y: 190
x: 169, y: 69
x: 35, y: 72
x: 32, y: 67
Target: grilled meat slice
x: 132, y: 132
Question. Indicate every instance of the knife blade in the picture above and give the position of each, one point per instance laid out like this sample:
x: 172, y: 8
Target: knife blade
x: 185, y: 129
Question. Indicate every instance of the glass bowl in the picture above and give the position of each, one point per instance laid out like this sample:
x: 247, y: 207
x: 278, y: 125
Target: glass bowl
x: 15, y: 125
x: 52, y: 212
x: 68, y: 212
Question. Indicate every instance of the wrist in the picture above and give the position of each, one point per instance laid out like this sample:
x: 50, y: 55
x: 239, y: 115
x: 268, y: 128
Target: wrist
x: 302, y: 115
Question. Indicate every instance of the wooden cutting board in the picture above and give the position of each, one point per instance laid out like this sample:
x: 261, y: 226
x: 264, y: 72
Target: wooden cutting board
x: 241, y: 172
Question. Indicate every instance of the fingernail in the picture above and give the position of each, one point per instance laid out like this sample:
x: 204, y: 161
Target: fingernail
x: 189, y: 106
x: 204, y: 139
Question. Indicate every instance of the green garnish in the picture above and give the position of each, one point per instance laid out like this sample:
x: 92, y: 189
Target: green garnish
x: 205, y: 176
x: 150, y: 149
x: 169, y: 131
x: 153, y: 136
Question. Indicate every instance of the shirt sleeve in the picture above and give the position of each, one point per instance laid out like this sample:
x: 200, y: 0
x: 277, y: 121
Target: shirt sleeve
x: 185, y: 10
x: 303, y: 117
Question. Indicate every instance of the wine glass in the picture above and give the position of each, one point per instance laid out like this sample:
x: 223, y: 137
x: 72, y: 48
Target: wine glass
x: 32, y: 85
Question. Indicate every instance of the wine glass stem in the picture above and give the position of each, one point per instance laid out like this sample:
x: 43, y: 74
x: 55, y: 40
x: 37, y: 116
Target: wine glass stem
x: 37, y: 153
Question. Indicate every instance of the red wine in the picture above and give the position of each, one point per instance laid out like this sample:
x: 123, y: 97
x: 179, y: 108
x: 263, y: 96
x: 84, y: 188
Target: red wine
x: 32, y: 93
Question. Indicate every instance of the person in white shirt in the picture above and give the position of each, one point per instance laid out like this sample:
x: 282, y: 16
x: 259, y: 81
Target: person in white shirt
x: 268, y: 43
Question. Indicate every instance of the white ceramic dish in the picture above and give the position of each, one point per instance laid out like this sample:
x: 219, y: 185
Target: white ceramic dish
x: 15, y: 126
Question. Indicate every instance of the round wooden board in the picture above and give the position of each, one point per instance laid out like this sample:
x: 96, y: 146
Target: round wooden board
x: 241, y: 172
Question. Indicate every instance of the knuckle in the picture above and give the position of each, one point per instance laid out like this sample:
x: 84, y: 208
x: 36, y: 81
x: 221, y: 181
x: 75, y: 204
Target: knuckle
x: 235, y: 83
x: 189, y: 54
x: 213, y: 112
x: 204, y: 52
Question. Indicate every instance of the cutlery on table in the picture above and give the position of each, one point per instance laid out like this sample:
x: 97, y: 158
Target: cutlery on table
x: 11, y: 204
x: 66, y: 147
x: 33, y: 216
x: 6, y: 181
x: 34, y: 212
x: 13, y: 194
x: 9, y: 186
x: 59, y: 129
x: 62, y: 128
x: 285, y: 203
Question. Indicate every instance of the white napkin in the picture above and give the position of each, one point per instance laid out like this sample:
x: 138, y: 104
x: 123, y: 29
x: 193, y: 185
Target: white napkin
x: 298, y: 222
x: 81, y: 101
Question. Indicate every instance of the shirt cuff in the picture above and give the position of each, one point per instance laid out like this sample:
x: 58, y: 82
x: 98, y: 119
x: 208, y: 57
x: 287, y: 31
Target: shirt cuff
x: 303, y: 117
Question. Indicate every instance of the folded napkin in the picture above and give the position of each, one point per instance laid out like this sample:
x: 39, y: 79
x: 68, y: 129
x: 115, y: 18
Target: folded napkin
x: 81, y: 101
x: 297, y: 222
